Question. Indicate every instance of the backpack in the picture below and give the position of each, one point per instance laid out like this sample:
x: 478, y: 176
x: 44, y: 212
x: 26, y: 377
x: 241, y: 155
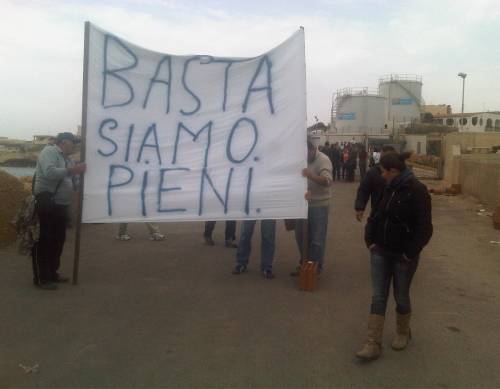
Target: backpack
x: 27, y: 221
x: 27, y: 226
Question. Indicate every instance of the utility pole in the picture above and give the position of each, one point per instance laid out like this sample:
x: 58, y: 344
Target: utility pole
x: 462, y: 75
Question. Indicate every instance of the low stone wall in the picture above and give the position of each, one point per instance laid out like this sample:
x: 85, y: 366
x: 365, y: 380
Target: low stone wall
x: 459, y: 143
x: 479, y: 176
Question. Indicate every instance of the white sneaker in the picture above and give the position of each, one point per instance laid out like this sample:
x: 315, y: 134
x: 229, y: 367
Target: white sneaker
x: 156, y: 236
x: 124, y: 237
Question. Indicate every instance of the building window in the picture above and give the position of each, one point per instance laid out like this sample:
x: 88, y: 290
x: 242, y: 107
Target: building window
x: 489, y: 123
x: 497, y: 124
x: 463, y: 121
x: 481, y: 121
x: 474, y: 121
x: 449, y: 122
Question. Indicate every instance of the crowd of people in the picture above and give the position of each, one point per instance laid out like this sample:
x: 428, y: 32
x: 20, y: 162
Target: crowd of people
x: 399, y: 225
x: 346, y: 157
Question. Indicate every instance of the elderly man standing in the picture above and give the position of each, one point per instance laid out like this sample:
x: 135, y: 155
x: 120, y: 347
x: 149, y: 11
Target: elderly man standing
x: 52, y: 188
x: 319, y: 180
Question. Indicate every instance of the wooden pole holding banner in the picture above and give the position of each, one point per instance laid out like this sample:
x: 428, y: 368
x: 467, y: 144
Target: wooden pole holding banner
x: 76, y: 259
x: 305, y: 226
x: 305, y: 239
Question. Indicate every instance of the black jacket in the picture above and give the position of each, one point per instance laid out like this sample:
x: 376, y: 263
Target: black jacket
x: 401, y: 223
x: 372, y: 187
x: 335, y: 156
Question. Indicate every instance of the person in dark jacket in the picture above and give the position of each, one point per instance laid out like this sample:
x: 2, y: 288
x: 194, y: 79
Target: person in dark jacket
x: 351, y: 164
x: 336, y: 159
x: 363, y: 162
x: 370, y: 187
x: 396, y: 232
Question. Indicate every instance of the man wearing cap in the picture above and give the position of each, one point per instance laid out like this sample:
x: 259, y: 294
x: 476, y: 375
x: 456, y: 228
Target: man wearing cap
x: 52, y: 189
x: 319, y: 179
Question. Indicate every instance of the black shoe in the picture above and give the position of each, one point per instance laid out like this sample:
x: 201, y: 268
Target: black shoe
x: 60, y: 279
x: 296, y: 272
x: 46, y: 286
x: 209, y: 241
x: 268, y: 274
x: 230, y: 244
x: 240, y: 269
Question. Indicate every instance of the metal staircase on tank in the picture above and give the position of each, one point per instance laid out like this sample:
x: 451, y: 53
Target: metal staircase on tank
x: 420, y: 101
x: 397, y: 78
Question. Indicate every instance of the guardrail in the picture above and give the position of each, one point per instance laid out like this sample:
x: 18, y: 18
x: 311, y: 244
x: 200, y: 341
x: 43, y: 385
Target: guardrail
x: 400, y: 77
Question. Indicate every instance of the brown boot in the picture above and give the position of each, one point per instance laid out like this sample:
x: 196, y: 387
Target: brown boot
x: 403, y: 332
x: 372, y: 347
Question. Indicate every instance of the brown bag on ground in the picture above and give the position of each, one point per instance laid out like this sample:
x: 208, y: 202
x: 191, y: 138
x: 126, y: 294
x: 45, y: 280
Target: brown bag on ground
x: 290, y: 224
x: 308, y: 277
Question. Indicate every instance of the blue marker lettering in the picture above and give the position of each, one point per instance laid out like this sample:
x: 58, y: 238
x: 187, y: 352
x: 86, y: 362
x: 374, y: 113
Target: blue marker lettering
x: 195, y: 136
x: 114, y: 72
x: 156, y: 146
x: 249, y: 185
x: 112, y: 123
x: 184, y: 84
x: 111, y: 185
x: 129, y: 139
x: 230, y: 140
x: 265, y: 60
x: 143, y: 193
x: 225, y: 201
x: 165, y: 59
x: 161, y: 189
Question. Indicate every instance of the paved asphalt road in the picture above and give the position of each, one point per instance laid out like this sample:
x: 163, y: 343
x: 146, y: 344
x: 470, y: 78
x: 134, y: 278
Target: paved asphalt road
x: 170, y: 314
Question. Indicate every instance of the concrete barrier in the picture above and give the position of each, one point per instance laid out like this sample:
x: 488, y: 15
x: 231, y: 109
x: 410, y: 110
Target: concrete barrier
x: 458, y: 143
x: 479, y: 176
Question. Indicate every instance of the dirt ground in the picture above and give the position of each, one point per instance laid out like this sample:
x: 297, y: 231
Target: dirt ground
x: 170, y: 314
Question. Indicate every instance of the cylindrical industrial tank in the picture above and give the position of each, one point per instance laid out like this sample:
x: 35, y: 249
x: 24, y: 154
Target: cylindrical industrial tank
x: 404, y: 97
x: 359, y: 111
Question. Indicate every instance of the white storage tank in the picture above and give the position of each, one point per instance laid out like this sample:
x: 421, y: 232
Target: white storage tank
x: 404, y: 97
x: 358, y: 111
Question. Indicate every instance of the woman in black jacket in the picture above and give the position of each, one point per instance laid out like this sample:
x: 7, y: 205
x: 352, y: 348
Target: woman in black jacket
x: 396, y: 232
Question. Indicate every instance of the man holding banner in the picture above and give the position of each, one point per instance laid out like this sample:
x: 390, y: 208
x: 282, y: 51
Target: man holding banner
x: 53, y: 189
x: 319, y: 178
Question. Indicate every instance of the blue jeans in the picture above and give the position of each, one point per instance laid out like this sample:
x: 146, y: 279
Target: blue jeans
x: 386, y: 268
x: 317, y: 224
x: 336, y: 171
x: 268, y: 230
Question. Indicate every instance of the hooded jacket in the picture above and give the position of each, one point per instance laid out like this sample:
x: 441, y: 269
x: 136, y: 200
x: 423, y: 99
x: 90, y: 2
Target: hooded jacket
x: 401, y: 223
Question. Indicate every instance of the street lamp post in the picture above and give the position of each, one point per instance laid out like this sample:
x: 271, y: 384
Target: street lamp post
x: 462, y: 75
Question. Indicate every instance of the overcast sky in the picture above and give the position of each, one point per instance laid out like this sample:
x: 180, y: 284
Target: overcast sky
x: 349, y: 43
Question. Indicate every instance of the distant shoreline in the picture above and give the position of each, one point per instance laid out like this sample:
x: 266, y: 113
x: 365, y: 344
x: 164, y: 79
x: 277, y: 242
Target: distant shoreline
x: 18, y: 171
x: 18, y: 163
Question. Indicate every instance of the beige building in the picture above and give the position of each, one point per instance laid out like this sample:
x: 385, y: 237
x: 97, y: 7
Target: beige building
x: 42, y: 139
x: 437, y: 110
x: 471, y: 122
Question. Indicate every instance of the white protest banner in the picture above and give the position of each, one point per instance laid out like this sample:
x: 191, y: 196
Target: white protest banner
x: 186, y: 138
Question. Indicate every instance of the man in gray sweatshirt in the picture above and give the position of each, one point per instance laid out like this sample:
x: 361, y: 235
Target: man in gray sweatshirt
x: 319, y: 180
